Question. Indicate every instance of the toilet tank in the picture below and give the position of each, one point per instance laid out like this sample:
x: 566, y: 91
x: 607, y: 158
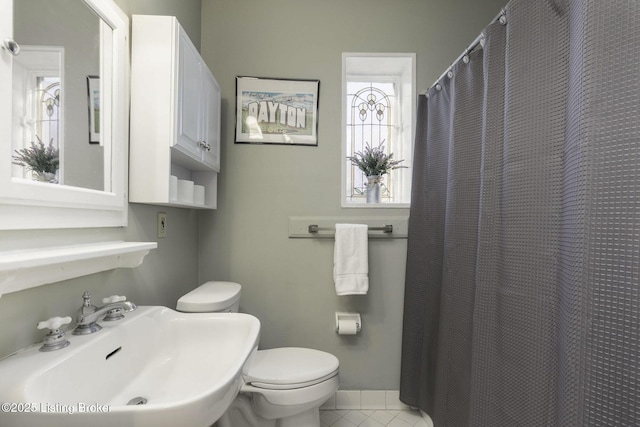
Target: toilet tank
x: 211, y: 297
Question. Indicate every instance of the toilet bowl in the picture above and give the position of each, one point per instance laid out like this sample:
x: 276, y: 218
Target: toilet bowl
x: 283, y: 387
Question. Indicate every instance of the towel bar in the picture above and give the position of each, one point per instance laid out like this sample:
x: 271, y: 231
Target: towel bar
x: 313, y: 228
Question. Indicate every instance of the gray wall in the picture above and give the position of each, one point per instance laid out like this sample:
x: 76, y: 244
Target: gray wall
x: 187, y: 12
x: 287, y: 283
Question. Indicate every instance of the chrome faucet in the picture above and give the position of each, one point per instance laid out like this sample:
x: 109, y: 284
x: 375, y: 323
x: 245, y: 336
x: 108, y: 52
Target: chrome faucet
x: 89, y: 314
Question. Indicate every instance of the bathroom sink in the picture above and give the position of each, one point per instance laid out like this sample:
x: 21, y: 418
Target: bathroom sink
x: 157, y: 367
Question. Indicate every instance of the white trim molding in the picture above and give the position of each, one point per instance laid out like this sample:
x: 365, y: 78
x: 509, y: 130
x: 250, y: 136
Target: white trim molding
x: 26, y: 269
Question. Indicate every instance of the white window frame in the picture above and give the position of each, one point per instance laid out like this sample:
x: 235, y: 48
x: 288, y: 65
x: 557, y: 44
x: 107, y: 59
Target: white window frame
x: 384, y: 67
x: 37, y: 62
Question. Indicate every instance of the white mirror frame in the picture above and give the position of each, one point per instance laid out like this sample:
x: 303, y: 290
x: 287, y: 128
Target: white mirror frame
x: 36, y: 205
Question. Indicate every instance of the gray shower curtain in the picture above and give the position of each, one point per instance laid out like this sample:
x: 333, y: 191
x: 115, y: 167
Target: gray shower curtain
x: 522, y: 297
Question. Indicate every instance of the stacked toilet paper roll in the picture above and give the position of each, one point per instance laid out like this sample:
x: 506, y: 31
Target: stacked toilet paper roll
x: 198, y: 194
x: 185, y: 191
x: 173, y: 188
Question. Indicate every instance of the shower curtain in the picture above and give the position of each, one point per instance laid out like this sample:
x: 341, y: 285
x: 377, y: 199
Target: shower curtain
x: 522, y: 296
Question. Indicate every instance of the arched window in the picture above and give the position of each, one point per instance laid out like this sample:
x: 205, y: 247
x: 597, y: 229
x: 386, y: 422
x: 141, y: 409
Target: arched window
x: 47, y: 114
x: 379, y: 98
x: 370, y: 123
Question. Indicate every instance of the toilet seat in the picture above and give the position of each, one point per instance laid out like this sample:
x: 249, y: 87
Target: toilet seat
x: 290, y: 368
x: 272, y: 404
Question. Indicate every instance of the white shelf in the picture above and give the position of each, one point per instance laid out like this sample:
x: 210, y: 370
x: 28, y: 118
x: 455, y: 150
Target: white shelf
x: 26, y: 269
x: 176, y: 204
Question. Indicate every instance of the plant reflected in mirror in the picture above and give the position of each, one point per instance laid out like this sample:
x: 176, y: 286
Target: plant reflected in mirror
x: 42, y: 161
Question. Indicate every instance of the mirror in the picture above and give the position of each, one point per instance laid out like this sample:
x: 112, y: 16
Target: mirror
x: 64, y: 130
x: 56, y: 94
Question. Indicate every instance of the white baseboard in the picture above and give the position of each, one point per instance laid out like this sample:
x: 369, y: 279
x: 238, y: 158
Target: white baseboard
x: 366, y: 399
x: 369, y: 399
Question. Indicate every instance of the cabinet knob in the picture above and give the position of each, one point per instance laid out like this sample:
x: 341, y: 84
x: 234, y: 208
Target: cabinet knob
x: 11, y: 46
x: 204, y: 145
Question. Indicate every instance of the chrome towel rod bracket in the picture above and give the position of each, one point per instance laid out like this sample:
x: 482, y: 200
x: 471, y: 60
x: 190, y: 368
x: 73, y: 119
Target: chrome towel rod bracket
x: 387, y: 228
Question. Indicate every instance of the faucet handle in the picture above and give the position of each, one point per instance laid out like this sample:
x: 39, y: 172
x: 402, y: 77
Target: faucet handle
x: 54, y: 323
x: 115, y: 313
x: 55, y: 339
x: 113, y: 298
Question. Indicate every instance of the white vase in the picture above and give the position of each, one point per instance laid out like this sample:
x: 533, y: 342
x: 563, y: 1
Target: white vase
x: 373, y: 188
x: 44, y: 177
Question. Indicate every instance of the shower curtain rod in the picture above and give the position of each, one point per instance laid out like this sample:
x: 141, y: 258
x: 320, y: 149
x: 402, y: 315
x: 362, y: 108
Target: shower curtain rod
x: 499, y: 17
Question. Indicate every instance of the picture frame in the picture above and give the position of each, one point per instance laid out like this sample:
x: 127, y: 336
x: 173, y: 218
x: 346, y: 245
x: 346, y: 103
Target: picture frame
x: 93, y: 102
x: 276, y: 111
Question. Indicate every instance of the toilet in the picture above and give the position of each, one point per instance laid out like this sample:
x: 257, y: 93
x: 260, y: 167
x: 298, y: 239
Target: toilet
x: 283, y: 387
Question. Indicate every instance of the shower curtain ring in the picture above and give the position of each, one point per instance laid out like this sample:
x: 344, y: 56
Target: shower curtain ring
x: 503, y: 17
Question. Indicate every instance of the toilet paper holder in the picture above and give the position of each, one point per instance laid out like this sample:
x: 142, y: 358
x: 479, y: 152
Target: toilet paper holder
x: 348, y: 318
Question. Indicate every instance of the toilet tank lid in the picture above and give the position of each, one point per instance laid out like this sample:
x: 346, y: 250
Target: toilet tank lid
x: 209, y: 297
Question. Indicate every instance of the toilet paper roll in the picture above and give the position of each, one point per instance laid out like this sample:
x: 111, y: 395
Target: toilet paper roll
x: 185, y: 191
x: 173, y: 188
x: 198, y: 194
x: 347, y: 327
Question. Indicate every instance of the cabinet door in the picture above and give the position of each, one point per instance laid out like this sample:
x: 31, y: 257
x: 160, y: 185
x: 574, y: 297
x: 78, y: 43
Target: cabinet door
x: 189, y: 98
x: 211, y: 120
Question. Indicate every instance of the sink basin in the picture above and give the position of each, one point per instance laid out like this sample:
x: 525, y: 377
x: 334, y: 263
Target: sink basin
x: 157, y: 367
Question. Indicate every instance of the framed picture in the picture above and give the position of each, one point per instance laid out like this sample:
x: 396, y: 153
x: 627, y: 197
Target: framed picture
x: 93, y: 95
x: 277, y: 111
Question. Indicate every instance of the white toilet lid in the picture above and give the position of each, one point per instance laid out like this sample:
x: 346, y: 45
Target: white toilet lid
x: 291, y: 367
x: 210, y: 297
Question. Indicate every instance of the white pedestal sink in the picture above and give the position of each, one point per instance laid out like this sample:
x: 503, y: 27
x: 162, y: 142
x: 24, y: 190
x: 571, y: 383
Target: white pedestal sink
x: 183, y: 369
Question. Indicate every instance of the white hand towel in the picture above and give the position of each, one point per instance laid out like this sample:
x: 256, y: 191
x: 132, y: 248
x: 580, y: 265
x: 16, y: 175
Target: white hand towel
x: 351, y: 259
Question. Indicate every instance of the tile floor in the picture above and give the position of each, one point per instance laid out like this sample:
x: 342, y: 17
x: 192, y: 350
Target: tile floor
x: 371, y: 418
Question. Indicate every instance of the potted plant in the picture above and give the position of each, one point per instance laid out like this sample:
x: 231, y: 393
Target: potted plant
x: 374, y: 163
x: 42, y: 161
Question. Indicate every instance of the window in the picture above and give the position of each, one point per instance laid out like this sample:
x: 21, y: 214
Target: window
x: 37, y: 101
x: 378, y: 111
x: 47, y: 110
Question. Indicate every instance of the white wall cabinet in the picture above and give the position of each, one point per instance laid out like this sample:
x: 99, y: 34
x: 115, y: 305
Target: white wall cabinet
x: 175, y: 114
